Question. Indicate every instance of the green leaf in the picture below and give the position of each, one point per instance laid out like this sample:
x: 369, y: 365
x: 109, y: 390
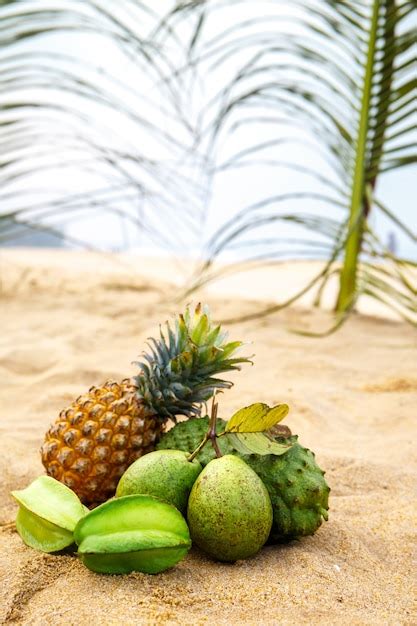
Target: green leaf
x: 257, y: 443
x: 256, y: 418
x: 200, y: 331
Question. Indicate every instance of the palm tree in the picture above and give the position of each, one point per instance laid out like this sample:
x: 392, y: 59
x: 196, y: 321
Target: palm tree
x: 338, y: 77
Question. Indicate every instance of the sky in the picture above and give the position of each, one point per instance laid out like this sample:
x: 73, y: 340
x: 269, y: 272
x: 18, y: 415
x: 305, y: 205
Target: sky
x: 163, y: 195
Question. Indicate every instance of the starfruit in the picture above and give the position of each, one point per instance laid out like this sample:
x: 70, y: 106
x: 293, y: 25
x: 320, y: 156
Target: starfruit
x: 132, y: 533
x: 48, y: 513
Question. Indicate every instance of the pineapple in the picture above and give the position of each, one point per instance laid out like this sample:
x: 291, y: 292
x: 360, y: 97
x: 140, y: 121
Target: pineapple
x: 99, y: 435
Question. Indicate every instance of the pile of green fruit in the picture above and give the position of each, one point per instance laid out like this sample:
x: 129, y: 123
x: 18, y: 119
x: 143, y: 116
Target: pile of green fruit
x: 228, y: 487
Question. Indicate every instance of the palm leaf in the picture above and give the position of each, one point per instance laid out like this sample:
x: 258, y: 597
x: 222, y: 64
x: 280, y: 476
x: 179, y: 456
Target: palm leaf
x: 64, y: 114
x: 345, y: 76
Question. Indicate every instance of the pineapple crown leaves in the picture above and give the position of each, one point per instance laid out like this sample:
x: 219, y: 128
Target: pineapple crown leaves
x: 178, y: 372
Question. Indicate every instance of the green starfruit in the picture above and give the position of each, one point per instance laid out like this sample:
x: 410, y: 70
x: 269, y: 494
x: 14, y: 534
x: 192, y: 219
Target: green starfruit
x: 132, y: 533
x: 48, y: 513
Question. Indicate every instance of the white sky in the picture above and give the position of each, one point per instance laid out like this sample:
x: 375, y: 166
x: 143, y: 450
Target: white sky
x: 186, y: 219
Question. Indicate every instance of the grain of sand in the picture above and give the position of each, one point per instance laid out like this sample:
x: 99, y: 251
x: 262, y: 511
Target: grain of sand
x: 69, y: 321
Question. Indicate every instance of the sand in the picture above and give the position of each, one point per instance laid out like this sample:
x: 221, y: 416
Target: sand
x: 70, y: 320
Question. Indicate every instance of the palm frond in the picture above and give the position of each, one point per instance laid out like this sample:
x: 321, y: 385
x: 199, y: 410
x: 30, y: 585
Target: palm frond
x: 334, y: 78
x: 65, y: 112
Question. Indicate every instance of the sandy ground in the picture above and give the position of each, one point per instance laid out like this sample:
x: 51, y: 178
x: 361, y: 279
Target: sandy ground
x: 70, y: 320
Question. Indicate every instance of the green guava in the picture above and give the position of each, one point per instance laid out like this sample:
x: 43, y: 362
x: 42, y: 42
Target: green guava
x: 165, y: 474
x: 229, y: 510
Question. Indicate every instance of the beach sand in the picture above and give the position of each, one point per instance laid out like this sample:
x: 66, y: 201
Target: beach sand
x: 70, y: 320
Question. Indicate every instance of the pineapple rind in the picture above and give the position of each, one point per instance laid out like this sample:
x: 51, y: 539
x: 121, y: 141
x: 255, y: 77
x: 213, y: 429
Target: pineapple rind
x: 97, y: 437
x: 295, y: 483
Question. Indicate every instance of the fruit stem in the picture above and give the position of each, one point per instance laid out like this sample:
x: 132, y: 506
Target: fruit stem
x: 192, y: 456
x: 212, y: 428
x: 210, y: 435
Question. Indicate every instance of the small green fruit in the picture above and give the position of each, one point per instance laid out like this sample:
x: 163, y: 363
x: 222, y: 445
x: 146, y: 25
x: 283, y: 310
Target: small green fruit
x: 132, y: 533
x: 296, y: 484
x: 48, y: 513
x: 165, y: 474
x: 229, y: 510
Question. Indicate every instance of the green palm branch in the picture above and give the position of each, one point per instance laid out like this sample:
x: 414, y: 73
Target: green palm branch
x: 348, y: 78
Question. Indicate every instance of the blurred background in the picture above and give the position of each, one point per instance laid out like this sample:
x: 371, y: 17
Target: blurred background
x: 232, y: 131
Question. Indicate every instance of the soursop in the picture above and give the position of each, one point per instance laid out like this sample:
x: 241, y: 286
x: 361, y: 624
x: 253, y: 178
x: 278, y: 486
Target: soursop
x: 295, y: 483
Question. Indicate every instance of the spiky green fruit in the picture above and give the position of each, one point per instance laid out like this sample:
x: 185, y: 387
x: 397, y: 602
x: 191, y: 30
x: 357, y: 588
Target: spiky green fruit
x: 296, y: 484
x: 297, y: 488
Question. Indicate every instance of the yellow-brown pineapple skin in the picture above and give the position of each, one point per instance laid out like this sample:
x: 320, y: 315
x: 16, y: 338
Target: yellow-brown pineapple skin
x: 97, y: 437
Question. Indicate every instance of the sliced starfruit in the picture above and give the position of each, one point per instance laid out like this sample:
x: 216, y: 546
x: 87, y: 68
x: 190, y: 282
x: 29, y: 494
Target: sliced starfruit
x: 48, y: 513
x: 132, y: 533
